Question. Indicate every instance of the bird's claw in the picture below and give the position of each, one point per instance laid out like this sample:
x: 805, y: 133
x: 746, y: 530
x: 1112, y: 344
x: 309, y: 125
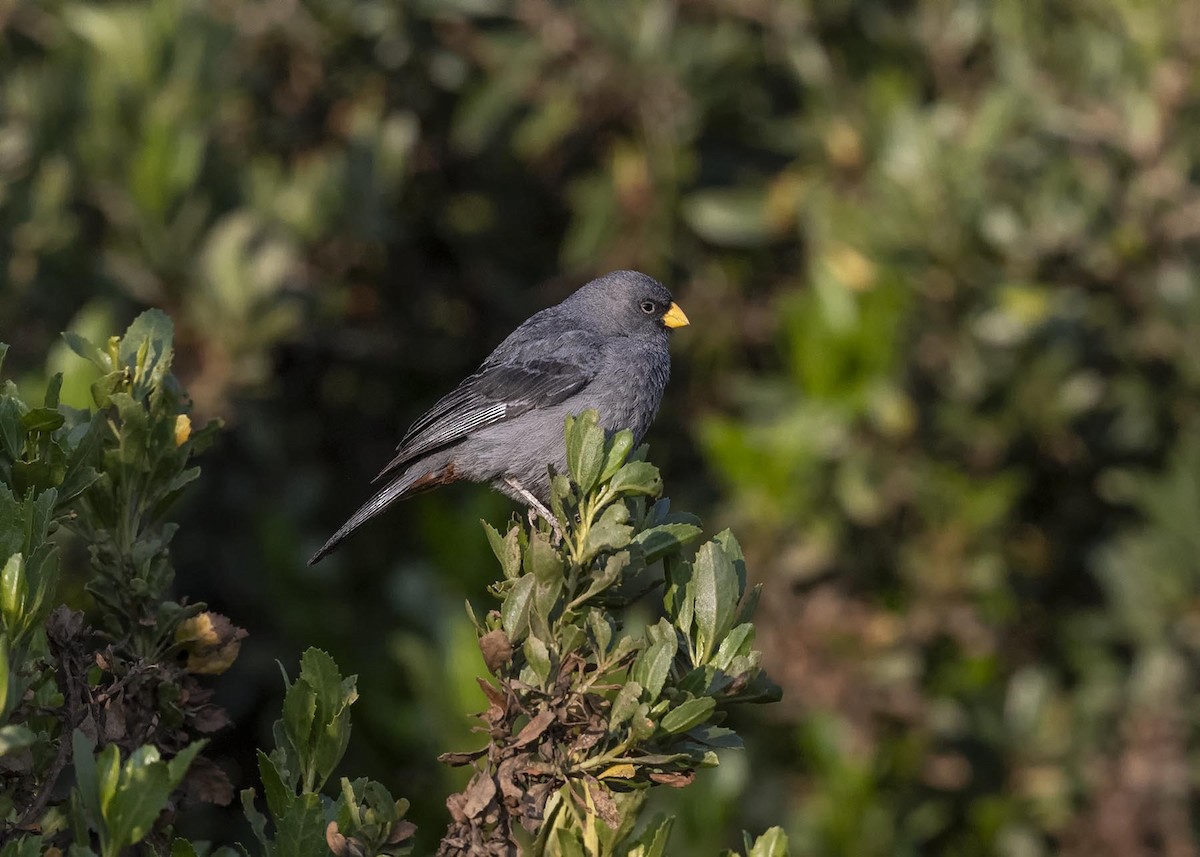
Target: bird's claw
x: 533, y: 514
x: 537, y: 510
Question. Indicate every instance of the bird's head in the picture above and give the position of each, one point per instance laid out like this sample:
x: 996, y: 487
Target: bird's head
x: 627, y: 303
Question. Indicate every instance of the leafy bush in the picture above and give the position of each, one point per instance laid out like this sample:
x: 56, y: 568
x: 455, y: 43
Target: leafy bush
x: 119, y: 696
x: 585, y: 717
x: 942, y: 374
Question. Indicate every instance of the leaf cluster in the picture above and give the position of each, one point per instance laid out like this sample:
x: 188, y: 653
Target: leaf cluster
x: 310, y: 740
x: 125, y: 679
x: 590, y: 708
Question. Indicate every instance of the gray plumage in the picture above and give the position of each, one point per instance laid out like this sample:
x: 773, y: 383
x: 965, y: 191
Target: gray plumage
x: 604, y: 347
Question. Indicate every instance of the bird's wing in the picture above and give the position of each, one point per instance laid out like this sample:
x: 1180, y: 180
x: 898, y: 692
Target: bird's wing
x: 510, y: 383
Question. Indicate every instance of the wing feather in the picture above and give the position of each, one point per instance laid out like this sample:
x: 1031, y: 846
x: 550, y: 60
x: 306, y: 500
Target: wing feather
x: 505, y: 386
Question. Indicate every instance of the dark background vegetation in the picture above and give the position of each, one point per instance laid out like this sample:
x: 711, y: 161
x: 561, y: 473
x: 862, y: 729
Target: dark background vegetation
x: 943, y: 375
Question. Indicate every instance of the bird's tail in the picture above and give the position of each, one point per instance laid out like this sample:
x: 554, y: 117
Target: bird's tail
x: 412, y: 481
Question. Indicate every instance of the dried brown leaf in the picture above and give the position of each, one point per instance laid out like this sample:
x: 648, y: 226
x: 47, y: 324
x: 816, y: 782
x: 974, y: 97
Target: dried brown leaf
x: 506, y: 775
x: 497, y: 702
x: 457, y: 760
x: 478, y: 794
x: 602, y: 799
x: 341, y: 845
x: 400, y: 831
x: 497, y: 650
x: 534, y: 728
x: 674, y: 779
x: 587, y: 740
x: 205, y: 782
x: 209, y: 718
x: 114, y: 721
x: 64, y: 624
x: 454, y: 804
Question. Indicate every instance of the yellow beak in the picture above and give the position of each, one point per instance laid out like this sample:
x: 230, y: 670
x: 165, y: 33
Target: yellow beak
x: 674, y: 317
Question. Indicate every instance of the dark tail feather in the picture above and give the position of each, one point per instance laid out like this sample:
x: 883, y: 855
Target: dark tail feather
x: 404, y: 485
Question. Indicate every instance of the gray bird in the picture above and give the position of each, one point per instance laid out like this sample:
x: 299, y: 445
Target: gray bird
x: 604, y: 347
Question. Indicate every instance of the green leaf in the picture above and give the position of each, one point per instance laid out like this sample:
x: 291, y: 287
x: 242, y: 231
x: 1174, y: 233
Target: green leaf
x: 183, y: 848
x: 105, y: 387
x: 178, y: 766
x: 53, y: 391
x: 41, y: 515
x: 716, y: 598
x: 545, y: 599
x: 79, y: 473
x: 737, y: 642
x: 612, y: 532
x: 716, y: 736
x: 3, y: 353
x: 12, y: 429
x: 42, y: 420
x: 88, y: 351
x: 86, y: 776
x: 585, y: 449
x: 538, y: 657
x: 689, y: 714
x: 279, y: 796
x: 332, y: 741
x: 135, y: 430
x: 615, y: 455
x: 733, y: 550
x: 749, y: 605
x: 614, y: 566
x: 507, y: 549
x: 349, y: 813
x: 321, y: 673
x: 679, y: 595
x: 773, y: 843
x: 641, y: 727
x: 147, y: 343
x: 514, y: 612
x: 625, y: 705
x: 653, y: 840
x: 12, y: 523
x: 568, y: 843
x: 258, y: 821
x: 659, y: 541
x: 13, y: 591
x: 301, y: 833
x: 602, y: 629
x: 108, y: 776
x: 653, y: 665
x: 542, y: 560
x: 299, y: 710
x: 560, y: 494
x: 637, y: 477
x: 570, y: 638
x: 525, y: 841
x: 5, y: 674
x: 145, y: 784
x: 704, y: 680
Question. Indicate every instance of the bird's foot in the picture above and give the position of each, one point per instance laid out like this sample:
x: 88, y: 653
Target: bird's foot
x: 536, y: 509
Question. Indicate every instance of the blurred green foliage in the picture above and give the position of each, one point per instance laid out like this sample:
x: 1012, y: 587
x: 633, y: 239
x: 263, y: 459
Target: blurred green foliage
x: 941, y: 261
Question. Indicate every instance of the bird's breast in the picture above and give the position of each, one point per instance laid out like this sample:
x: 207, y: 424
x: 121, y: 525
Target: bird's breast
x: 629, y: 388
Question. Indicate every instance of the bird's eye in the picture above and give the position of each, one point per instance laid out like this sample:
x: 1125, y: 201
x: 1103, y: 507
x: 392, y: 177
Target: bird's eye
x: 648, y: 307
